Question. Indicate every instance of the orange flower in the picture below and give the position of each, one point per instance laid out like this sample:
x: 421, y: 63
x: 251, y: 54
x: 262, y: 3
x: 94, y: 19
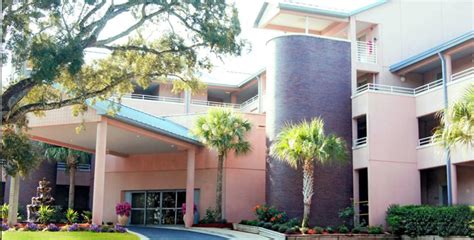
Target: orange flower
x: 272, y: 219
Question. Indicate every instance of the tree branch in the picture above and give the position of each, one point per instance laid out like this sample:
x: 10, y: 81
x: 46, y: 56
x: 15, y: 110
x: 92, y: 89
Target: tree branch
x: 149, y: 50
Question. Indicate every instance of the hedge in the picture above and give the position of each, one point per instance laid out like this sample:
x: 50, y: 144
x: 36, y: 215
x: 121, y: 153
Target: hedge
x: 431, y: 220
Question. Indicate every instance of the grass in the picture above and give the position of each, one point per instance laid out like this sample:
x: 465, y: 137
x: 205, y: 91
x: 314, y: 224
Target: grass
x: 67, y: 236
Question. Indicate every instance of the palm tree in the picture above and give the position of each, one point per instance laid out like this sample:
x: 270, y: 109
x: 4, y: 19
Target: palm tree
x: 222, y: 130
x: 72, y: 158
x: 304, y: 144
x: 457, y: 124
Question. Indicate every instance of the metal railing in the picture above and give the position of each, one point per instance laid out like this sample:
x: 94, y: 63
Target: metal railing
x: 61, y: 166
x: 155, y: 98
x: 360, y: 142
x: 366, y: 52
x: 385, y: 88
x: 214, y: 104
x: 463, y: 73
x: 248, y: 102
x: 428, y: 86
x: 425, y: 141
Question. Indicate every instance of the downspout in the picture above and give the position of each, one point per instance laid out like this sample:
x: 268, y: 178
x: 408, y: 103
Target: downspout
x: 447, y: 150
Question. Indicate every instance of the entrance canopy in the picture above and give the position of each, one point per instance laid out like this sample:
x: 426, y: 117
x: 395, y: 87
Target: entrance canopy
x: 123, y: 132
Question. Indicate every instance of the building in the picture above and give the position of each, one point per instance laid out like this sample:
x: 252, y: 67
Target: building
x: 377, y: 76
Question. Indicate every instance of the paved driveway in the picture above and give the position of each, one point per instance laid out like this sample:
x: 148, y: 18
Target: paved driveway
x: 179, y: 233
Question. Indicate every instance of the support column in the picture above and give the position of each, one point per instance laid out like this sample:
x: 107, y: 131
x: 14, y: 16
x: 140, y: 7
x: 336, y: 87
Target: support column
x: 187, y: 100
x: 454, y: 184
x: 356, y: 196
x: 189, y: 219
x: 233, y: 98
x: 353, y: 38
x: 13, y: 198
x: 99, y: 173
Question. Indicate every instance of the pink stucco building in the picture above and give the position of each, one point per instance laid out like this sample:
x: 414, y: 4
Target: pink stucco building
x: 381, y: 92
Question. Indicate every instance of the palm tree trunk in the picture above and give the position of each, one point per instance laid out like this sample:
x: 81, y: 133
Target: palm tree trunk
x: 308, y: 172
x: 72, y: 186
x: 220, y: 169
x: 13, y: 200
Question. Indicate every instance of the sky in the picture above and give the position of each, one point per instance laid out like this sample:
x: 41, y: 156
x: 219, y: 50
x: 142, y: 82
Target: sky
x: 233, y: 70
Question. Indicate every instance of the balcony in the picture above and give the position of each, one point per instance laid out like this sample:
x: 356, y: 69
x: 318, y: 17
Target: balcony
x: 61, y: 166
x: 366, y: 52
x: 154, y: 98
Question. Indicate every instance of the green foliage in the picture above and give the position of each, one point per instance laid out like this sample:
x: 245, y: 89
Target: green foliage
x: 430, y: 220
x: 460, y: 118
x: 343, y: 229
x: 267, y: 225
x: 347, y: 216
x: 358, y: 229
x: 4, y: 211
x: 306, y: 141
x: 87, y: 216
x: 375, y: 229
x: 71, y: 216
x: 318, y: 230
x: 223, y: 130
x: 282, y: 229
x: 59, y: 215
x: 330, y: 229
x: 17, y: 150
x: 210, y: 216
x: 270, y: 214
x: 69, y: 156
x: 45, y: 214
x: 291, y: 230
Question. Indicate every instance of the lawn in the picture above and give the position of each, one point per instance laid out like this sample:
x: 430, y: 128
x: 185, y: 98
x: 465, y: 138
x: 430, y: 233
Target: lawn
x: 67, y: 236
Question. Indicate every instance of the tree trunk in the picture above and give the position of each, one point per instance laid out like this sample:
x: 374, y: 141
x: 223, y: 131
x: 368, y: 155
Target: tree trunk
x: 72, y: 186
x: 13, y: 200
x: 308, y: 172
x: 220, y: 169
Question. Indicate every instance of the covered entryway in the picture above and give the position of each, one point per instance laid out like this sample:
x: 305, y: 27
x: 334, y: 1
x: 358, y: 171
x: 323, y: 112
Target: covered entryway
x: 121, y: 141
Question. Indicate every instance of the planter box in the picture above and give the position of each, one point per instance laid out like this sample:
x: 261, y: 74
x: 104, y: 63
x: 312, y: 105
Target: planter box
x: 436, y: 238
x: 271, y: 234
x: 246, y: 228
x: 342, y: 237
x: 214, y: 225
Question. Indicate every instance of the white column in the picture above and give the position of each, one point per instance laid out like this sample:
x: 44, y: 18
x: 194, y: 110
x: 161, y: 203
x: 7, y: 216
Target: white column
x: 99, y: 173
x: 13, y: 199
x: 353, y: 38
x: 187, y: 100
x: 454, y: 184
x: 189, y: 219
x: 260, y: 89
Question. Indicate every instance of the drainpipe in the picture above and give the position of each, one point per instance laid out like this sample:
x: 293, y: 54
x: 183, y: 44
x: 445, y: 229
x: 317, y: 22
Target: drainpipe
x: 447, y: 150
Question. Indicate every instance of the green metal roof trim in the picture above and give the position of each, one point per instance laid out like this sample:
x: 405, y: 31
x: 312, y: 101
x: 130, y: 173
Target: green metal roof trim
x: 316, y: 10
x: 145, y: 120
x: 432, y: 51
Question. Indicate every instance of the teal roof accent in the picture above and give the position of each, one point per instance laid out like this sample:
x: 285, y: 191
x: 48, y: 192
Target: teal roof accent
x: 314, y: 9
x: 432, y: 51
x: 144, y: 120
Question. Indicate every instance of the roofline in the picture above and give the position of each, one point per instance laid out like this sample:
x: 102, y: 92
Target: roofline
x: 103, y: 112
x: 312, y: 10
x: 432, y: 51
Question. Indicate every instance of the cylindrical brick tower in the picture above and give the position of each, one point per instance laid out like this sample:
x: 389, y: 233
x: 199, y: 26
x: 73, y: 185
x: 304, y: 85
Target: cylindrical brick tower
x: 309, y: 77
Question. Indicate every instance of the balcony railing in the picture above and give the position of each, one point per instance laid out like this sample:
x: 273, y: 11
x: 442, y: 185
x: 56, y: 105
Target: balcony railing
x: 215, y: 104
x: 414, y: 91
x: 246, y: 104
x: 61, y: 166
x: 155, y: 98
x: 425, y: 141
x: 366, y: 52
x: 360, y: 142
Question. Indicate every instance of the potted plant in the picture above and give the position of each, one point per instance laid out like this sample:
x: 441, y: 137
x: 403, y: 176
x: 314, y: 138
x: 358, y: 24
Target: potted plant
x: 123, y: 212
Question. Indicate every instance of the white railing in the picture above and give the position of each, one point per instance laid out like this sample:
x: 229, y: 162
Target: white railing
x: 214, y: 104
x: 360, y: 142
x: 366, y: 52
x: 155, y: 98
x: 248, y: 102
x: 61, y: 166
x: 428, y: 86
x: 414, y: 91
x: 425, y: 141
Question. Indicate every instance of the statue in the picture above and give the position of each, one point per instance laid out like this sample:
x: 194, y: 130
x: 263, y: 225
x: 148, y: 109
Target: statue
x: 43, y: 197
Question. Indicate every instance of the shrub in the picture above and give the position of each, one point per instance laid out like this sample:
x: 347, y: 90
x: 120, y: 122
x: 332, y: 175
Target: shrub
x: 375, y: 229
x: 4, y: 211
x: 45, y: 214
x: 318, y: 230
x: 58, y: 215
x: 52, y: 228
x: 430, y: 220
x: 343, y: 229
x: 123, y: 209
x: 260, y: 224
x: 357, y: 229
x: 87, y: 216
x: 267, y: 225
x: 105, y: 228
x: 210, y: 216
x: 293, y: 222
x: 120, y: 229
x: 266, y: 213
x: 282, y: 229
x: 244, y: 222
x: 31, y: 227
x: 73, y: 228
x: 291, y: 230
x: 330, y: 229
x: 275, y: 227
x: 252, y: 223
x: 94, y: 228
x: 71, y: 216
x: 347, y: 216
x: 5, y: 227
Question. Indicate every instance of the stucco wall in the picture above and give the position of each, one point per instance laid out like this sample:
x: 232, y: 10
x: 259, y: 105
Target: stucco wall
x: 465, y: 184
x: 309, y: 77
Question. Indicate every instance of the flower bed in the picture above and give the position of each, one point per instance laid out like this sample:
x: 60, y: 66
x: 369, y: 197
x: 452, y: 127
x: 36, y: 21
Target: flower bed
x: 75, y: 227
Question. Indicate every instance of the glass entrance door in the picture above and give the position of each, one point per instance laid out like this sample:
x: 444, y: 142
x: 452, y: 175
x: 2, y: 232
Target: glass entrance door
x: 156, y: 207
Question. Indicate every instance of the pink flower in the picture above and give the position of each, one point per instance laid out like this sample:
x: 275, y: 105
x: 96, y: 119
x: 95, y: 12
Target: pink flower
x: 123, y: 209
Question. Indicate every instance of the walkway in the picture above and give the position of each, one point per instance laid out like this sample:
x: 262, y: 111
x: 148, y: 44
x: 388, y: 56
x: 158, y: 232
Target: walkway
x: 180, y: 233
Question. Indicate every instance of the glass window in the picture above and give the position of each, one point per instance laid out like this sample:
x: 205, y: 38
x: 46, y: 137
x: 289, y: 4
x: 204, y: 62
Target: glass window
x: 169, y: 216
x: 169, y: 200
x: 181, y: 199
x: 153, y: 200
x: 153, y: 217
x: 137, y: 217
x: 138, y: 200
